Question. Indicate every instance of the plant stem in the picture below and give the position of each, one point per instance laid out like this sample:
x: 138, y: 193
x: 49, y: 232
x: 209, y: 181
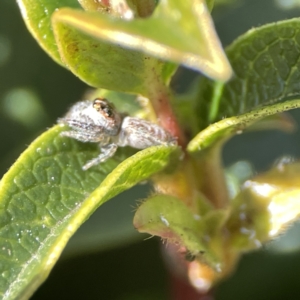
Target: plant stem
x: 212, y: 180
x: 160, y: 99
x: 205, y: 175
x: 215, y: 103
x: 182, y: 290
x: 180, y: 287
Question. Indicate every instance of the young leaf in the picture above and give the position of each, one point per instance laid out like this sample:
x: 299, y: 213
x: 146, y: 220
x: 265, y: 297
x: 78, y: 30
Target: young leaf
x: 37, y: 16
x: 178, y: 31
x: 267, y: 70
x: 46, y: 196
x: 264, y: 208
x: 235, y: 125
x: 169, y: 218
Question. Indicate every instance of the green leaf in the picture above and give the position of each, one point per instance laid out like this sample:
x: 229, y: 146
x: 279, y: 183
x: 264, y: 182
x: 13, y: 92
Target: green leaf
x: 37, y: 16
x: 108, y: 66
x: 46, y: 196
x: 266, y: 64
x: 265, y: 207
x: 224, y: 129
x: 210, y: 4
x: 267, y: 68
x: 178, y: 31
x: 169, y: 218
x: 109, y: 227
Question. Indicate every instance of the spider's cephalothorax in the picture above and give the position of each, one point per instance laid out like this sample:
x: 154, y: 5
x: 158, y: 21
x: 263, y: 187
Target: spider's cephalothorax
x: 99, y: 122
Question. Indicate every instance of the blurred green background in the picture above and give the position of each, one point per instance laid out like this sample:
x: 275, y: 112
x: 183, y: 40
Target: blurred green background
x: 107, y: 259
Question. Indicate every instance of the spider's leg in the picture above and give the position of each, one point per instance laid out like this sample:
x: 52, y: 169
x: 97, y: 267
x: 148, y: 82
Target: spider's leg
x: 82, y: 136
x: 106, y: 152
x: 81, y: 126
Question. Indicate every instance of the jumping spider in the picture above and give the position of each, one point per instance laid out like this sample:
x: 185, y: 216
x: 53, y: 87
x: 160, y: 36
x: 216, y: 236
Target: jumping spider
x: 99, y: 122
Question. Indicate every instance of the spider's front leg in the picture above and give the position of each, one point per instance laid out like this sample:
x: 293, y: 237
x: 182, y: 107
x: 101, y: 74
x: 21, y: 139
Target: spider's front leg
x: 80, y: 136
x: 106, y: 152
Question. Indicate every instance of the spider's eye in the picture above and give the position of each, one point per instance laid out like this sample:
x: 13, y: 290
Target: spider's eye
x: 102, y: 105
x: 108, y: 111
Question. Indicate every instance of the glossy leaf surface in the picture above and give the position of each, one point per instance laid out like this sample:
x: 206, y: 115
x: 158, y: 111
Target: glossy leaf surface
x: 46, y: 196
x: 37, y: 16
x: 105, y: 65
x: 266, y: 62
x: 178, y: 31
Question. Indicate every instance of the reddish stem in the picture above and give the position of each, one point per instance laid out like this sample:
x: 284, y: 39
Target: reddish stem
x: 105, y: 3
x: 180, y: 287
x: 182, y: 290
x: 165, y: 114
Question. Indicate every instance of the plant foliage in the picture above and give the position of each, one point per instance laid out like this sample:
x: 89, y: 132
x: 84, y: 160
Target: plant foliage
x: 45, y: 195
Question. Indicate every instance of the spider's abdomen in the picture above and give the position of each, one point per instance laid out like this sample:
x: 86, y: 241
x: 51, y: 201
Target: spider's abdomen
x: 141, y: 134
